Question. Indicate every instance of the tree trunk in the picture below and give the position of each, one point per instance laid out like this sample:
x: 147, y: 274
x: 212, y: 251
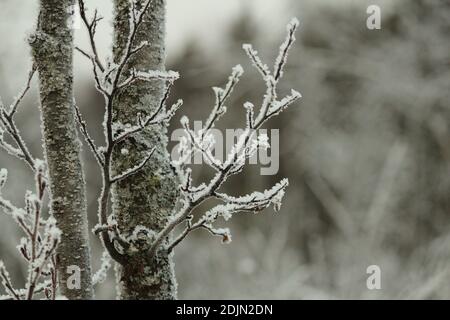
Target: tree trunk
x: 52, y: 47
x: 148, y: 197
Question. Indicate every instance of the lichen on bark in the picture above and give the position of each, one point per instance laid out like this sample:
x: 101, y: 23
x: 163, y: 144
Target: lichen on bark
x: 148, y: 197
x: 52, y: 49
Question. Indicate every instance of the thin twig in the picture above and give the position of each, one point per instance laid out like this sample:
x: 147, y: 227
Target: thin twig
x: 87, y: 137
x: 91, y: 28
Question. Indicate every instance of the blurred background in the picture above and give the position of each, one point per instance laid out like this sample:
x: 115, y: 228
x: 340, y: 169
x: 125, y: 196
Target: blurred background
x: 366, y: 150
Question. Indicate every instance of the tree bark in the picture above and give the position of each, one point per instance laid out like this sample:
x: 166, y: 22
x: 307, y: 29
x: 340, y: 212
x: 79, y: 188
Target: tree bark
x: 148, y: 197
x: 52, y: 48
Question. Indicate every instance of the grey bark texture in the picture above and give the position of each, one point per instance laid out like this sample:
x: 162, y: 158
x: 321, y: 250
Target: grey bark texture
x: 52, y: 48
x: 147, y: 198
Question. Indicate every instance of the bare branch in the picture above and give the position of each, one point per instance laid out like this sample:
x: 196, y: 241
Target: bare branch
x: 84, y: 53
x: 91, y: 28
x: 89, y: 140
x: 13, y: 108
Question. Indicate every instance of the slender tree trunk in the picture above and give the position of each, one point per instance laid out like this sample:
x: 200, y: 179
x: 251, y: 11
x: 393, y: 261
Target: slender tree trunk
x: 52, y: 47
x: 148, y: 197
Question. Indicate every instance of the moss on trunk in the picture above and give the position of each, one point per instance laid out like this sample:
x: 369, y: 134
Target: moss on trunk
x: 148, y: 197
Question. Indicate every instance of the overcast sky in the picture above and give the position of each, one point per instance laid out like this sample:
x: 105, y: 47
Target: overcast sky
x: 202, y: 19
x: 186, y: 19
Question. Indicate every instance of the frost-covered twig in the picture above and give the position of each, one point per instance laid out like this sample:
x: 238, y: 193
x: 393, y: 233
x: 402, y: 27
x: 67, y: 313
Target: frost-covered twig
x: 284, y: 49
x: 6, y: 282
x: 245, y: 147
x: 42, y: 287
x: 87, y: 137
x: 91, y: 27
x: 101, y: 274
x: 136, y: 19
x: 29, y: 219
x: 253, y: 55
x: 39, y: 245
x: 8, y: 125
x: 135, y: 75
x: 27, y: 87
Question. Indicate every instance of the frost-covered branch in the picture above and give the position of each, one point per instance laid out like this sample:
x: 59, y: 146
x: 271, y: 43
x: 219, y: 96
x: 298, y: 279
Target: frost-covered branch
x: 115, y: 133
x: 246, y: 146
x: 252, y: 203
x: 110, y: 80
x: 8, y: 126
x: 116, y: 76
x: 136, y: 17
x: 38, y: 247
x: 135, y: 75
x: 87, y: 137
x: 101, y: 274
x: 27, y: 87
x: 6, y: 282
x: 91, y: 26
x: 42, y: 236
x: 284, y: 49
x: 257, y: 63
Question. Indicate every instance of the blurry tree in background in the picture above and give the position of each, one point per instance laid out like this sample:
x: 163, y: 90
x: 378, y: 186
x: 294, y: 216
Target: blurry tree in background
x: 367, y: 157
